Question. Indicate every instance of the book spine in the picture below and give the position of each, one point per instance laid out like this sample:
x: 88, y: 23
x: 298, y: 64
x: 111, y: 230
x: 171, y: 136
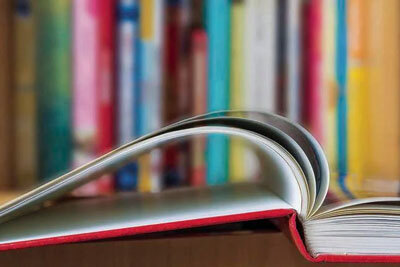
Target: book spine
x: 24, y: 95
x: 260, y: 65
x: 260, y: 55
x: 85, y: 94
x: 199, y: 83
x: 151, y: 18
x: 341, y: 80
x: 106, y: 86
x: 176, y: 87
x: 281, y: 55
x: 53, y: 77
x: 217, y: 19
x: 128, y: 15
x: 329, y: 93
x: 312, y: 107
x: 382, y: 150
x: 293, y: 59
x: 357, y: 94
x: 5, y: 94
x: 237, y: 90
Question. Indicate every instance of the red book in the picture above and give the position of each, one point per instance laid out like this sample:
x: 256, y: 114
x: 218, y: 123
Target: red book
x: 177, y: 102
x: 106, y: 85
x: 312, y: 102
x: 292, y: 193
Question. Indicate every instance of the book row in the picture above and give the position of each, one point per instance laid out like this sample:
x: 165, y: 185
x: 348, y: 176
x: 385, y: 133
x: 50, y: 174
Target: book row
x: 90, y: 75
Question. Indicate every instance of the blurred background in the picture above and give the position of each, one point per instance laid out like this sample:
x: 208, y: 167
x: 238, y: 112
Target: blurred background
x: 80, y: 77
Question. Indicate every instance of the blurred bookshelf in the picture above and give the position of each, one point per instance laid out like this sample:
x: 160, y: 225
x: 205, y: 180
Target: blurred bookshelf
x: 81, y: 77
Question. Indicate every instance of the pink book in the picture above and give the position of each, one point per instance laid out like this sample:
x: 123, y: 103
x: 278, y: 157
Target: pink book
x: 85, y: 91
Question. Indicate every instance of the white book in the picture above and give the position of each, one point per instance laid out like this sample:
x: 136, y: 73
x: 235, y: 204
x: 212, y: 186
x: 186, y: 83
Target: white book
x: 260, y: 55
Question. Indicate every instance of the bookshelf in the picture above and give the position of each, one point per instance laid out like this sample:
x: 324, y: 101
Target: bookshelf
x: 311, y: 86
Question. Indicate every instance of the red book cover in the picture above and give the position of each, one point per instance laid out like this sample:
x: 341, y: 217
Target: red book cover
x: 287, y: 219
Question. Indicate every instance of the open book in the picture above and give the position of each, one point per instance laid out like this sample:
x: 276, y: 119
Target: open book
x: 293, y: 187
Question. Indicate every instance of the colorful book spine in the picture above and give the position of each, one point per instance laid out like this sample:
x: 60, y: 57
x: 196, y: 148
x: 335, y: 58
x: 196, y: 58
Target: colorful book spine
x: 5, y: 94
x: 281, y: 55
x: 341, y: 80
x: 52, y: 86
x: 199, y: 83
x: 217, y: 20
x: 357, y: 93
x: 293, y: 29
x: 329, y: 93
x: 260, y: 55
x: 149, y: 115
x: 237, y: 90
x: 105, y: 96
x: 383, y: 153
x: 127, y: 63
x: 312, y: 108
x: 24, y: 96
x: 260, y: 81
x: 85, y: 90
x: 176, y: 91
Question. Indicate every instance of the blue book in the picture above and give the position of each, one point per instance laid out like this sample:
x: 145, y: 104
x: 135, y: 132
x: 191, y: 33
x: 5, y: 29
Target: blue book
x: 341, y: 78
x: 217, y: 20
x: 128, y: 36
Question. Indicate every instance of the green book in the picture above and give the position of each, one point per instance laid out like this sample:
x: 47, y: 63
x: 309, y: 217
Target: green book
x: 53, y: 86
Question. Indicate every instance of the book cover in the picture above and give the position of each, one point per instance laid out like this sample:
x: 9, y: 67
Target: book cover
x: 237, y: 89
x: 127, y: 64
x: 199, y: 85
x: 6, y: 12
x: 53, y: 86
x: 149, y: 114
x: 217, y: 21
x: 24, y: 96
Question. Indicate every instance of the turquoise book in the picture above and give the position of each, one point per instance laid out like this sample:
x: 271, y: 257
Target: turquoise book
x: 341, y: 78
x: 52, y: 85
x: 217, y: 19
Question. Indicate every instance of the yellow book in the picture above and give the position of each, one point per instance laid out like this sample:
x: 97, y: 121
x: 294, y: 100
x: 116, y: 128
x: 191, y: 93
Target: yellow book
x: 24, y: 98
x: 237, y: 149
x: 357, y: 93
x: 382, y: 168
x: 146, y: 19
